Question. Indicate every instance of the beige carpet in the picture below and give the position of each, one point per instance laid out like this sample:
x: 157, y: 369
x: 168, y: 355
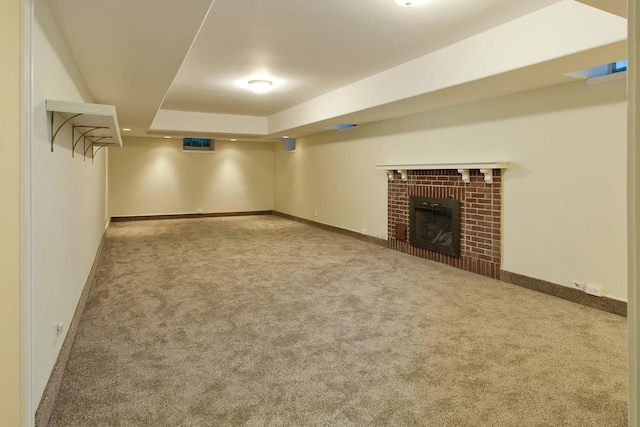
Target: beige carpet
x: 262, y: 321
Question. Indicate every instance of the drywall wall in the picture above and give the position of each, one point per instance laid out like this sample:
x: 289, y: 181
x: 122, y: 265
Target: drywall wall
x: 332, y: 178
x: 152, y: 176
x: 564, y: 197
x: 633, y: 211
x: 10, y: 224
x: 67, y: 200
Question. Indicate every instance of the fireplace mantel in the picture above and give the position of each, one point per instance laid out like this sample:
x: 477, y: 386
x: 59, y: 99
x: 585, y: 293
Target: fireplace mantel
x: 486, y: 168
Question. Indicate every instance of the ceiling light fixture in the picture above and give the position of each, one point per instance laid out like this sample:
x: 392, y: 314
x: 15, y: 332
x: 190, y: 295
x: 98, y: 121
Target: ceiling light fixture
x: 167, y: 137
x: 260, y: 86
x: 126, y: 129
x: 408, y: 3
x: 233, y: 140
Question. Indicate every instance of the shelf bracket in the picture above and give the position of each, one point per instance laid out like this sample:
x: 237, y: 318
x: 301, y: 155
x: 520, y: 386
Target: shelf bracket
x: 93, y: 154
x: 53, y: 135
x: 488, y: 175
x: 92, y: 143
x: 390, y: 174
x: 75, y: 141
x: 465, y: 175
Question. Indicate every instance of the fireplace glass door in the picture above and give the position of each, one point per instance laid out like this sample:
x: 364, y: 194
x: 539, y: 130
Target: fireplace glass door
x: 435, y: 224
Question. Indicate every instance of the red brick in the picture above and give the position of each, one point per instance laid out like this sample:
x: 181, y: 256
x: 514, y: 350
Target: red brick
x: 480, y: 211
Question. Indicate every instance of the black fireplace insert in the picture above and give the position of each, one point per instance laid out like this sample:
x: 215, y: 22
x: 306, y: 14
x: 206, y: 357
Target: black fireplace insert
x: 434, y: 224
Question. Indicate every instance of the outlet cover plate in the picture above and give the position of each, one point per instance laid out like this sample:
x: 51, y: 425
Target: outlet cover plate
x: 593, y: 290
x: 577, y: 284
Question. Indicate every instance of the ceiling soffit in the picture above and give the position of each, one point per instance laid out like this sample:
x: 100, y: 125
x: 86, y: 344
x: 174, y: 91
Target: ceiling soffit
x: 540, y: 38
x: 130, y: 51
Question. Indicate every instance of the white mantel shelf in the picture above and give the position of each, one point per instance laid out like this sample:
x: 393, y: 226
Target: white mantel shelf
x: 486, y: 168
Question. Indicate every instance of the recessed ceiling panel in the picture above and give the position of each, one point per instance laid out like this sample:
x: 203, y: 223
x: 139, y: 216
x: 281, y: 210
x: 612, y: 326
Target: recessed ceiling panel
x: 308, y: 48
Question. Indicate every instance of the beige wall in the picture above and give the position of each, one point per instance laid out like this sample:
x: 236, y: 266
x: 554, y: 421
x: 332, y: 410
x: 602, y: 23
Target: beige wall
x: 150, y: 176
x: 633, y: 214
x: 333, y: 175
x: 67, y: 200
x: 564, y: 197
x: 10, y: 142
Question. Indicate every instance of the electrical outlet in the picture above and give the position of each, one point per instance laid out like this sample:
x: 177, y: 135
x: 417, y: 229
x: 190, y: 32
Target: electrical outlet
x: 576, y: 284
x: 200, y: 211
x: 58, y: 328
x: 594, y: 290
x: 315, y: 213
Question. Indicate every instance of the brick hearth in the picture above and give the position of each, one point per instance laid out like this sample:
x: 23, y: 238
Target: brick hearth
x: 480, y: 213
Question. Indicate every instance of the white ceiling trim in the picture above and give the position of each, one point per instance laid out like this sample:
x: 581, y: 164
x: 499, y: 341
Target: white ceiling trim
x: 170, y: 121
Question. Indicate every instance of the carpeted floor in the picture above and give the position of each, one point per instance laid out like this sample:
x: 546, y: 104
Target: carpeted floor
x: 262, y: 321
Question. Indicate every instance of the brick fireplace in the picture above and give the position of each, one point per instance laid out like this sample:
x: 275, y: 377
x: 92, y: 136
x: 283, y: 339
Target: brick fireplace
x: 480, y: 214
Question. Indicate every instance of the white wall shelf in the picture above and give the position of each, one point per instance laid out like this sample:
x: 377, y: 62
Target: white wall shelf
x: 486, y: 168
x: 95, y: 124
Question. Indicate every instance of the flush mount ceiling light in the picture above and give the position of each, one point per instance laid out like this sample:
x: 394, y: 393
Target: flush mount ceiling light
x: 260, y: 86
x: 408, y: 3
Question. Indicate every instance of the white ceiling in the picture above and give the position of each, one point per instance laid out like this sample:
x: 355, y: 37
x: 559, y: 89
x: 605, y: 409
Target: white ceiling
x: 129, y: 51
x: 312, y: 47
x: 330, y: 60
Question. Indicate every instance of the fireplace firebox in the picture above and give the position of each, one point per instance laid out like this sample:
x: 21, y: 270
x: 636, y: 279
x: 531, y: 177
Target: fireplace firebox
x: 434, y: 224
